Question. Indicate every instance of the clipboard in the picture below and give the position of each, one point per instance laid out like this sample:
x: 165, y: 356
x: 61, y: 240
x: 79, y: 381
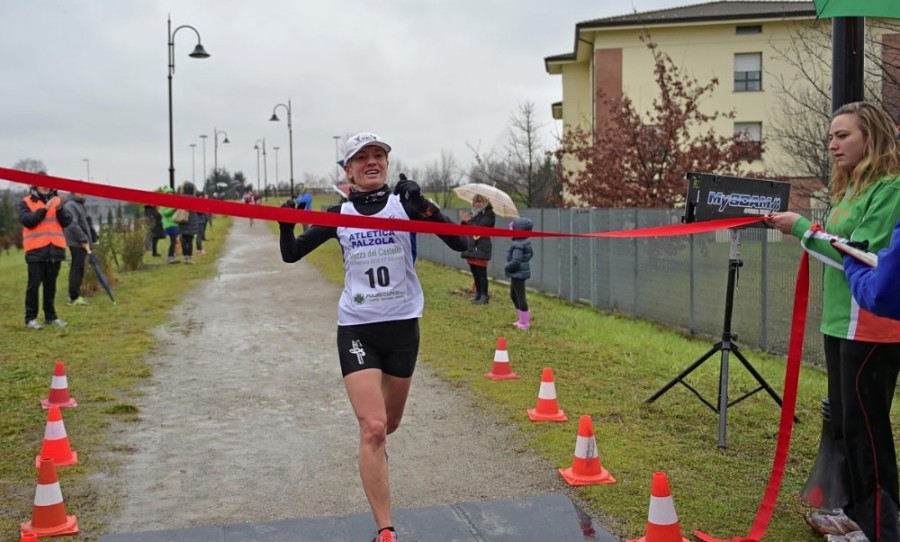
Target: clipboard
x: 862, y: 256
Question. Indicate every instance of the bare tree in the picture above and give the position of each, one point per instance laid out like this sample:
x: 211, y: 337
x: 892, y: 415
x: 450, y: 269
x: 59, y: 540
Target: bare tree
x: 30, y: 165
x: 804, y: 113
x: 441, y: 176
x: 524, y: 169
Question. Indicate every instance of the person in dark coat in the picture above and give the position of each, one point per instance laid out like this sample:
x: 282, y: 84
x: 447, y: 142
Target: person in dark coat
x: 155, y: 230
x: 78, y: 239
x: 478, y: 253
x: 43, y: 218
x: 191, y: 228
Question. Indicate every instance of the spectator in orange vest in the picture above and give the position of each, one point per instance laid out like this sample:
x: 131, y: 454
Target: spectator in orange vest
x: 43, y: 218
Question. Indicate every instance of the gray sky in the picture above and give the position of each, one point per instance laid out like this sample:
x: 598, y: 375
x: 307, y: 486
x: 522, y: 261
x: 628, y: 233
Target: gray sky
x: 87, y: 79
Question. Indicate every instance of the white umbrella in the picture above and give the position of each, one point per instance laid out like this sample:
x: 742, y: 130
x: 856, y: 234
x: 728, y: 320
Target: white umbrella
x: 500, y: 200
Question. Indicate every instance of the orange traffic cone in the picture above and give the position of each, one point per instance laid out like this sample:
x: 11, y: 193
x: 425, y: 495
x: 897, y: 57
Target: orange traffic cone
x: 586, y: 468
x: 28, y: 537
x: 501, y: 370
x: 49, y: 515
x: 662, y: 521
x: 547, y: 408
x: 56, y: 442
x: 59, y: 389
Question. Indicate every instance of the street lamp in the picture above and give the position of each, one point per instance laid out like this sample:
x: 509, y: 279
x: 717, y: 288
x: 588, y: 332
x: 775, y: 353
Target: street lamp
x: 88, y: 162
x: 337, y: 159
x: 198, y: 52
x: 193, y: 166
x: 276, y: 167
x: 216, y: 133
x: 257, y: 148
x: 290, y: 138
x: 203, y: 137
x: 265, y: 167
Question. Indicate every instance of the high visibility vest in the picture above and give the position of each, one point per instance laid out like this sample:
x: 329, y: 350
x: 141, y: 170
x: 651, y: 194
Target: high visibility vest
x: 47, y: 232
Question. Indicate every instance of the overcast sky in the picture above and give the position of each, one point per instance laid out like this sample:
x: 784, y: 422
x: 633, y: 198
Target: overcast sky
x: 86, y: 79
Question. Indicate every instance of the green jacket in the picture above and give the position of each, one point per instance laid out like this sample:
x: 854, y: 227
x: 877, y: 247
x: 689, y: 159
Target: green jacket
x: 870, y: 216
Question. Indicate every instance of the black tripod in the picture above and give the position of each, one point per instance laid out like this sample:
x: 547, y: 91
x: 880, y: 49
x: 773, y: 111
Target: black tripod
x: 727, y: 346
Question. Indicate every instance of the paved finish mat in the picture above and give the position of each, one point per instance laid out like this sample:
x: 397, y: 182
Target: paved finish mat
x: 537, y: 519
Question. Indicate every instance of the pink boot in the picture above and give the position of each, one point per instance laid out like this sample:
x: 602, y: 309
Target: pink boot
x: 524, y: 320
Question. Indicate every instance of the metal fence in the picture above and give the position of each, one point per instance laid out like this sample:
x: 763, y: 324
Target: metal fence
x: 679, y: 282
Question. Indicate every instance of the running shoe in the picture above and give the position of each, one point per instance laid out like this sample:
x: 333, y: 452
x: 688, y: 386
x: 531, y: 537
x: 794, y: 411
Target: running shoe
x: 79, y: 301
x: 386, y: 535
x: 33, y: 324
x: 57, y: 322
x: 834, y: 522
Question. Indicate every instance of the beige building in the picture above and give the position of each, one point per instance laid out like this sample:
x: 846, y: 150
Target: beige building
x: 741, y: 44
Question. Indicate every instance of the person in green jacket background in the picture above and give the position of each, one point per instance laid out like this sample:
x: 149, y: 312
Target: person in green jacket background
x: 169, y: 226
x: 862, y: 350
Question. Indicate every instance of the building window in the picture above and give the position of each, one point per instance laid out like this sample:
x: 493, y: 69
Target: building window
x: 750, y: 131
x: 748, y: 29
x: 747, y: 72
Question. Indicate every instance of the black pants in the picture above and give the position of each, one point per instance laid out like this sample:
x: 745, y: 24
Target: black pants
x: 517, y: 294
x: 187, y: 244
x: 76, y: 272
x: 173, y: 240
x: 41, y: 273
x: 861, y: 381
x: 201, y: 236
x: 479, y: 274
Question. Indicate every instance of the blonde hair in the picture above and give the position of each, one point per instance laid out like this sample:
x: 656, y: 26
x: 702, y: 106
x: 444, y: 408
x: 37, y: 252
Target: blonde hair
x: 881, y: 155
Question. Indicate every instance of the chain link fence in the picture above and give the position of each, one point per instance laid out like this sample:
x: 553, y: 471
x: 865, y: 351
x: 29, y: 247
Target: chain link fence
x: 679, y: 281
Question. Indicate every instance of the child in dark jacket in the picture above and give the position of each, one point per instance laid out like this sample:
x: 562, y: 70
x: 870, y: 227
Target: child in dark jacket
x: 519, y: 270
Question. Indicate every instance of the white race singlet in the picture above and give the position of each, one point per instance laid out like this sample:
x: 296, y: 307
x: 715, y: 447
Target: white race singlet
x: 380, y: 281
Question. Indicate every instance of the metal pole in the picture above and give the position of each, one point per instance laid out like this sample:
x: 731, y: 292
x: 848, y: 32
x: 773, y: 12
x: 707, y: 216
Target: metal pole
x: 203, y: 137
x: 276, y: 165
x: 265, y: 171
x: 257, y: 166
x: 88, y: 162
x: 291, y: 147
x: 337, y: 158
x: 215, y: 175
x: 193, y: 164
x: 197, y: 53
x: 847, y: 59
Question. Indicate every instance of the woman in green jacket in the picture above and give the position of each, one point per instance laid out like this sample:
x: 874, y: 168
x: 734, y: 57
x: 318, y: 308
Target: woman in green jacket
x: 862, y: 350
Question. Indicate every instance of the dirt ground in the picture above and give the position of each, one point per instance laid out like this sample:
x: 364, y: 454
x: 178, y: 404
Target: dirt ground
x: 246, y: 419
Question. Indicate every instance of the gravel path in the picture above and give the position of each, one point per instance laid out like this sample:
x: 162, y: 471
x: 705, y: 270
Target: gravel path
x: 246, y: 419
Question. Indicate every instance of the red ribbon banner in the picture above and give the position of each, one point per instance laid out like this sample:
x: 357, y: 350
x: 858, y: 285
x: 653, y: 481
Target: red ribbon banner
x: 296, y: 216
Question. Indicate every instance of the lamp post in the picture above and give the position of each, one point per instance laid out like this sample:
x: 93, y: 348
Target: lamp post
x: 198, y: 52
x: 193, y: 164
x: 290, y: 138
x: 257, y: 148
x: 337, y: 158
x: 265, y: 167
x: 276, y: 166
x: 203, y: 137
x: 88, y: 162
x: 215, y: 175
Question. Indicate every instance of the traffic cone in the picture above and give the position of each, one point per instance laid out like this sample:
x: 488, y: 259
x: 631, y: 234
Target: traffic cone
x: 662, y: 521
x: 49, y: 515
x: 28, y: 537
x: 501, y: 370
x: 59, y: 389
x: 547, y: 408
x: 586, y: 468
x: 56, y: 442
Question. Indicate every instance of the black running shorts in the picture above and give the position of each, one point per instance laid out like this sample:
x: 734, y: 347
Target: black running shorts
x: 391, y: 347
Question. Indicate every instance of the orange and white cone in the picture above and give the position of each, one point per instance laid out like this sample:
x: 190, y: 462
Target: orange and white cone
x: 56, y: 442
x: 501, y: 369
x: 586, y: 468
x: 59, y: 389
x: 49, y: 517
x: 662, y: 521
x: 547, y: 408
